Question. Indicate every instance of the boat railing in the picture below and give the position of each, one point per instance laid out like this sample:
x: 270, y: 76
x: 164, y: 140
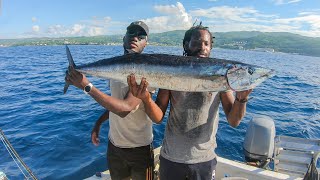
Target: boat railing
x: 296, y: 156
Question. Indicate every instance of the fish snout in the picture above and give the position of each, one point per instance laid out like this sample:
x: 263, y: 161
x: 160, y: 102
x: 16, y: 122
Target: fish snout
x: 247, y: 77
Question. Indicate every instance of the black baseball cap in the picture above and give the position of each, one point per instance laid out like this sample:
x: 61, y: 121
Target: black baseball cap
x: 139, y: 24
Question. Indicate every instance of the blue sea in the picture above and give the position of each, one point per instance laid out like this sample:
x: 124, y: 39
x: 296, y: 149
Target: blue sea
x: 51, y: 131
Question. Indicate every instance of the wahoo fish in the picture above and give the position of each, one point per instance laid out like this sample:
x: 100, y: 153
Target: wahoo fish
x: 179, y: 73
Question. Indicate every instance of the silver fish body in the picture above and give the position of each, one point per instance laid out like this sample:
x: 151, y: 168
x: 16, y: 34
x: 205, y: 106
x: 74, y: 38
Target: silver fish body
x: 179, y: 73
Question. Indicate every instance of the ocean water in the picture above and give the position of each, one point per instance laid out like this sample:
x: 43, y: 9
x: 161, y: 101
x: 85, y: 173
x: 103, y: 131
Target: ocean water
x: 51, y: 131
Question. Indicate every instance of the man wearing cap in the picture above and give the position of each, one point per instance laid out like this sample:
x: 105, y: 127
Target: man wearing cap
x: 130, y: 152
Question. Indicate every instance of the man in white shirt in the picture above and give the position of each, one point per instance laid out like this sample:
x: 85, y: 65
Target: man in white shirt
x: 130, y: 152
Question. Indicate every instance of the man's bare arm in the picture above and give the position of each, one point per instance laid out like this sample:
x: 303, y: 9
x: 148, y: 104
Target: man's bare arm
x: 120, y: 107
x: 234, y: 110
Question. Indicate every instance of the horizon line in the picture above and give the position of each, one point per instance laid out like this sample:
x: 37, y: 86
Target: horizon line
x: 154, y: 33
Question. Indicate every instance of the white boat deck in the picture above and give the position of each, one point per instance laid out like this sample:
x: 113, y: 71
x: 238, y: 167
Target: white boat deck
x: 226, y: 170
x: 293, y: 155
x: 238, y: 170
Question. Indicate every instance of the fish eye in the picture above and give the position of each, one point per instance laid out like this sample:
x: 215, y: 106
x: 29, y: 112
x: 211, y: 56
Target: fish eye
x: 251, y: 70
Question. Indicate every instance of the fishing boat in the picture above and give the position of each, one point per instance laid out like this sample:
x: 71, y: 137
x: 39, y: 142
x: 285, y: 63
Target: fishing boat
x: 267, y: 157
x: 226, y: 170
x: 291, y: 158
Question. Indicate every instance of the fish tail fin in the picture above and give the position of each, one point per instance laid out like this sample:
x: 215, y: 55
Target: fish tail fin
x: 72, y: 65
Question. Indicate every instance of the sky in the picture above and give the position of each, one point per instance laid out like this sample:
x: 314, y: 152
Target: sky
x: 65, y: 18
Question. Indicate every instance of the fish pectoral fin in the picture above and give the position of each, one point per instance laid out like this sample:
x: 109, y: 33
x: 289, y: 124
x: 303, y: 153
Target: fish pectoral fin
x: 65, y: 88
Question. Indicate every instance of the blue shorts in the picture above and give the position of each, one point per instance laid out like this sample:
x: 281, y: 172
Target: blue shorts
x: 175, y: 171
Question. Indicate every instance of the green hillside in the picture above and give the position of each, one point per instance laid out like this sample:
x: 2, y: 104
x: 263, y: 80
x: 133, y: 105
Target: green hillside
x: 279, y: 42
x: 246, y: 40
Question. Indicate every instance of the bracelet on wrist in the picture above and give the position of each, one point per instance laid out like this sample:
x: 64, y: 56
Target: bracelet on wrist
x: 242, y: 100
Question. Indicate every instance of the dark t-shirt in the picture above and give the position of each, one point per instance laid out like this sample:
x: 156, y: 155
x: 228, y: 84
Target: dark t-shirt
x: 190, y: 135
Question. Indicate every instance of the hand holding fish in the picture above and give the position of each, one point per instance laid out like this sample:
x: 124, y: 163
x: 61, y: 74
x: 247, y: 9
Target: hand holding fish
x: 139, y: 91
x: 242, y: 96
x: 76, y: 78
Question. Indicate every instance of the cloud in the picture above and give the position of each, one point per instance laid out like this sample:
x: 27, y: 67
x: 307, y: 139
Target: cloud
x: 232, y: 14
x: 281, y: 2
x: 310, y: 12
x: 33, y: 19
x: 169, y: 9
x: 92, y: 27
x: 76, y: 29
x: 61, y: 30
x: 175, y: 18
x: 35, y: 28
x: 226, y: 18
x: 94, y: 31
x: 303, y: 22
x: 249, y: 27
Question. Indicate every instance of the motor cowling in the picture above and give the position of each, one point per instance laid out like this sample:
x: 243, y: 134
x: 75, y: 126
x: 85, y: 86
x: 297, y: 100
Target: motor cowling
x: 259, y: 141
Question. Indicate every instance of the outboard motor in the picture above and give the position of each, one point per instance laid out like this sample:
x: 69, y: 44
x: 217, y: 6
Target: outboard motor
x: 259, y: 141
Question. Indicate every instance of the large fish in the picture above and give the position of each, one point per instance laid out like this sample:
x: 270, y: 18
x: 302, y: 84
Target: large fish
x: 180, y: 73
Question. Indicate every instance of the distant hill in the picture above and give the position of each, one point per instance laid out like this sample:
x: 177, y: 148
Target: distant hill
x: 246, y: 40
x: 280, y: 42
x: 250, y: 40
